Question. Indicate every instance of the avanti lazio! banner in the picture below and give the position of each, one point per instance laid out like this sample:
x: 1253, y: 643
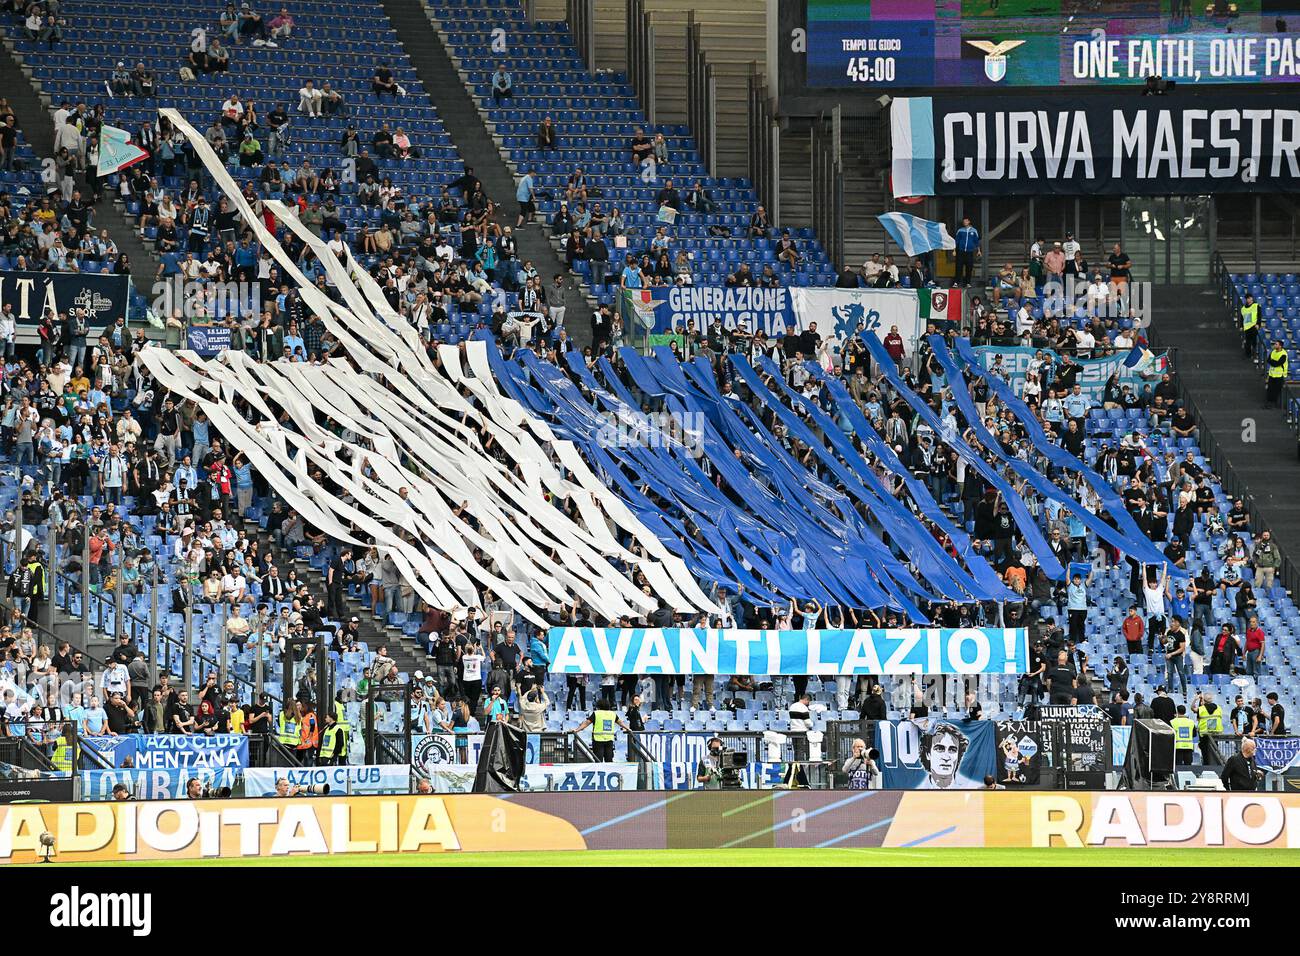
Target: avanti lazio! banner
x: 1014, y: 361
x: 156, y: 784
x: 931, y: 754
x: 570, y: 778
x: 923, y: 650
x: 1113, y: 144
x: 386, y: 778
x: 104, y: 297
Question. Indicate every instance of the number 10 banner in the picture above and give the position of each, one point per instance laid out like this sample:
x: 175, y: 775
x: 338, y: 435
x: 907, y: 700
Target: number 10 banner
x: 924, y: 650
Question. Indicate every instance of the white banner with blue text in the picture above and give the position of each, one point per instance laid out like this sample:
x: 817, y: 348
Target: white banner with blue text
x: 699, y: 650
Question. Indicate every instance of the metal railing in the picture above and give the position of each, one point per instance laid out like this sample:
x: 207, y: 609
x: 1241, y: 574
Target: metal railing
x: 1232, y: 299
x: 828, y: 186
x: 1221, y: 466
x: 581, y: 17
x: 764, y: 145
x: 641, y: 56
x: 701, y: 96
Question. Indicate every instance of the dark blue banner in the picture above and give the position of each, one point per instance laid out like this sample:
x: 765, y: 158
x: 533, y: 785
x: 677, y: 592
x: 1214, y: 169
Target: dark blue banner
x: 104, y: 297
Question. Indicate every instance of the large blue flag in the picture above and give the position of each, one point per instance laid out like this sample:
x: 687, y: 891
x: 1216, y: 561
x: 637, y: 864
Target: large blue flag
x: 916, y: 235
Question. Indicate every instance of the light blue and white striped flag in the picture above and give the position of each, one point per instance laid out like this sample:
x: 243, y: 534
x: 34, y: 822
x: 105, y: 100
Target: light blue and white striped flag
x: 914, y: 235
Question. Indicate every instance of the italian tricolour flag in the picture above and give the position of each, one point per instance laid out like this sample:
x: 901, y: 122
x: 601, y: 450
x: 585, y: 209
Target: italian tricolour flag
x: 940, y: 305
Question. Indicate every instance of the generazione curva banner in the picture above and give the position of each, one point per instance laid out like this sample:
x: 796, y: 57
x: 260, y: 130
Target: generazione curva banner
x: 838, y: 313
x: 631, y: 819
x: 922, y: 650
x: 104, y: 297
x: 1114, y: 144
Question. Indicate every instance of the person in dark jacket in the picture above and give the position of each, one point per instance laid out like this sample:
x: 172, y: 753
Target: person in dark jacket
x: 1240, y: 772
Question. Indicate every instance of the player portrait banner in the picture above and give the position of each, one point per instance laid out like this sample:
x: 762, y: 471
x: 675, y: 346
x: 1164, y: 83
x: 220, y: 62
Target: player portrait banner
x: 932, y: 650
x: 370, y: 779
x: 933, y: 754
x: 430, y: 750
x: 104, y: 297
x: 568, y: 778
x: 158, y: 784
x: 1107, y: 144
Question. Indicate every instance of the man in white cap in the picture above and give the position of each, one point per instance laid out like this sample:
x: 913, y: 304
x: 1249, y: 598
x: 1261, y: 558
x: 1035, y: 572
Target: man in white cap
x: 119, y: 84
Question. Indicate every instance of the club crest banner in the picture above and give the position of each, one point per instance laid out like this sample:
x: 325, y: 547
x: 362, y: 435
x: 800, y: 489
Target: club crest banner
x: 931, y: 754
x: 117, y: 751
x: 968, y: 650
x: 842, y: 313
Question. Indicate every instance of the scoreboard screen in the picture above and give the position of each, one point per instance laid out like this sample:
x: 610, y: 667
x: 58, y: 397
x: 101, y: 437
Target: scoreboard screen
x: 991, y: 43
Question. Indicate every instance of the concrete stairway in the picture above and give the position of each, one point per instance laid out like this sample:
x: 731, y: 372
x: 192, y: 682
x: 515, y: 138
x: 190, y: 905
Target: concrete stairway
x: 34, y: 108
x: 475, y: 137
x: 731, y: 44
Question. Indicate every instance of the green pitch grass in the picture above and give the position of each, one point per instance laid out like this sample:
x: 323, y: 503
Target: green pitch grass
x: 831, y: 856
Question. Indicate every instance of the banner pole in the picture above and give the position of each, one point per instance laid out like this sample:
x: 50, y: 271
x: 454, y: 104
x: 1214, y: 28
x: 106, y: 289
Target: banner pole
x: 153, y: 628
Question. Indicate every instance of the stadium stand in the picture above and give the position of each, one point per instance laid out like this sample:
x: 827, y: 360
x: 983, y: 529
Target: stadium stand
x: 80, y: 465
x: 595, y: 120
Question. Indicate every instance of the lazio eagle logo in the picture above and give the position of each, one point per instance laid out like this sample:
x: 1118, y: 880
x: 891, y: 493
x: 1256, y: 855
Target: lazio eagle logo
x: 995, y: 56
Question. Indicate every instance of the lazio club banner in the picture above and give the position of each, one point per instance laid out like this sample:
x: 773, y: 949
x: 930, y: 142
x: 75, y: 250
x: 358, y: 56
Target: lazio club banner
x: 158, y: 784
x: 155, y: 751
x: 571, y: 778
x: 1119, y: 144
x: 387, y: 778
x: 104, y: 297
x: 1012, y: 362
x: 922, y: 650
x: 932, y: 754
